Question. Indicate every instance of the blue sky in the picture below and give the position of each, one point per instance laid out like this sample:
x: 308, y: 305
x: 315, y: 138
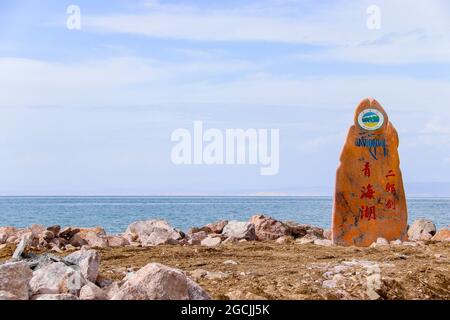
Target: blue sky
x: 91, y: 111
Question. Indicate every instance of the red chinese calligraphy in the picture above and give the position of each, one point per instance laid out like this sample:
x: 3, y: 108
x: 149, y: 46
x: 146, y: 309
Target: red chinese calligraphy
x: 366, y: 169
x: 367, y: 192
x: 390, y: 204
x: 390, y: 174
x: 366, y: 212
x: 390, y: 187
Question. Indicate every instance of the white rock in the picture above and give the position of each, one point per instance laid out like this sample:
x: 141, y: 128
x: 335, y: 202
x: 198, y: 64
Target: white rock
x: 56, y: 278
x: 88, y: 261
x: 14, y: 278
x: 158, y: 282
x: 232, y: 262
x: 153, y: 232
x: 240, y: 230
x: 396, y: 242
x: 382, y: 241
x: 211, y: 241
x: 24, y: 242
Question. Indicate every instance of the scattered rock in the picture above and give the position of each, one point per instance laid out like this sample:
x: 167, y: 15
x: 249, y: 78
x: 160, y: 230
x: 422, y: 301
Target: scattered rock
x: 91, y: 292
x: 285, y: 239
x: 231, y: 262
x: 158, y: 282
x: 396, y: 242
x: 267, y: 228
x: 56, y: 278
x: 211, y: 241
x: 298, y: 230
x: 243, y: 295
x: 306, y: 239
x: 216, y: 275
x: 230, y: 240
x: 422, y: 229
x: 442, y: 235
x: 323, y: 242
x: 14, y: 278
x: 153, y: 232
x: 88, y: 261
x: 240, y: 230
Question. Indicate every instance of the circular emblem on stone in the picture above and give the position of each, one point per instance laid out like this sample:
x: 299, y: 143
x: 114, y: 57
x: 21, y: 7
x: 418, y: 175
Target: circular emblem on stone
x: 370, y: 119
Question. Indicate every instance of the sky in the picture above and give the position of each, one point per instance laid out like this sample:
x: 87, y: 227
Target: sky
x: 91, y: 111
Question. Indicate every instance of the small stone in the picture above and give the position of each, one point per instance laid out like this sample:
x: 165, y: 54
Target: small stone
x: 219, y: 275
x: 243, y: 295
x: 211, y: 241
x: 323, y: 242
x: 230, y: 262
x: 396, y: 242
x: 284, y: 240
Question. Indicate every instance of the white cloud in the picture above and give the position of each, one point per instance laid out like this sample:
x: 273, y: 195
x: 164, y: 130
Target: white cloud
x: 134, y: 81
x: 411, y: 31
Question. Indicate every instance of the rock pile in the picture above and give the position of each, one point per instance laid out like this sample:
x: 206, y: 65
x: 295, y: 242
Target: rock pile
x: 75, y: 277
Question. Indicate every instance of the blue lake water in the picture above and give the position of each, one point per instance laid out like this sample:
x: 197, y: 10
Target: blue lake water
x: 116, y: 213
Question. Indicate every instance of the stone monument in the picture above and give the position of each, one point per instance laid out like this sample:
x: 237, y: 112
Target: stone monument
x: 369, y: 199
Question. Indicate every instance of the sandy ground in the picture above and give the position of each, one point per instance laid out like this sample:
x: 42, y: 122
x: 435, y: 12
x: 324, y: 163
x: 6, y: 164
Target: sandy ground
x: 293, y: 271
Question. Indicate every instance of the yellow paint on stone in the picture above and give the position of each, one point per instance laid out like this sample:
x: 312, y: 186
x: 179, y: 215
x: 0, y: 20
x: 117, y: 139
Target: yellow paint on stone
x: 369, y: 200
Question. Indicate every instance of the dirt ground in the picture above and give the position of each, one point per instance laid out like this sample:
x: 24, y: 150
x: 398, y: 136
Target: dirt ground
x: 295, y: 271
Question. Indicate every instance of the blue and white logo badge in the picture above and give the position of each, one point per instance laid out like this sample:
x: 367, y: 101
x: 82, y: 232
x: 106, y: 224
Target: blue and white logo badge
x: 370, y: 119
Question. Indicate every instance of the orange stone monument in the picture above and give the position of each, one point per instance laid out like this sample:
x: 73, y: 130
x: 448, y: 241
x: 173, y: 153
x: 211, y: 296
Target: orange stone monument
x: 369, y: 200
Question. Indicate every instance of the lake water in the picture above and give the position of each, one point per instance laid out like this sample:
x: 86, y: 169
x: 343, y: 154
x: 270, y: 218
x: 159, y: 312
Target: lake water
x: 116, y: 213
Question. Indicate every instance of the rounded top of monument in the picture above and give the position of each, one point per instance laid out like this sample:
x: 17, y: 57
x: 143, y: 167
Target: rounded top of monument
x: 370, y: 116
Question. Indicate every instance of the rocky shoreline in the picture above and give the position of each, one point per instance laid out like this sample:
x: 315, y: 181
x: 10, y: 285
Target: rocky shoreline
x: 152, y: 260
